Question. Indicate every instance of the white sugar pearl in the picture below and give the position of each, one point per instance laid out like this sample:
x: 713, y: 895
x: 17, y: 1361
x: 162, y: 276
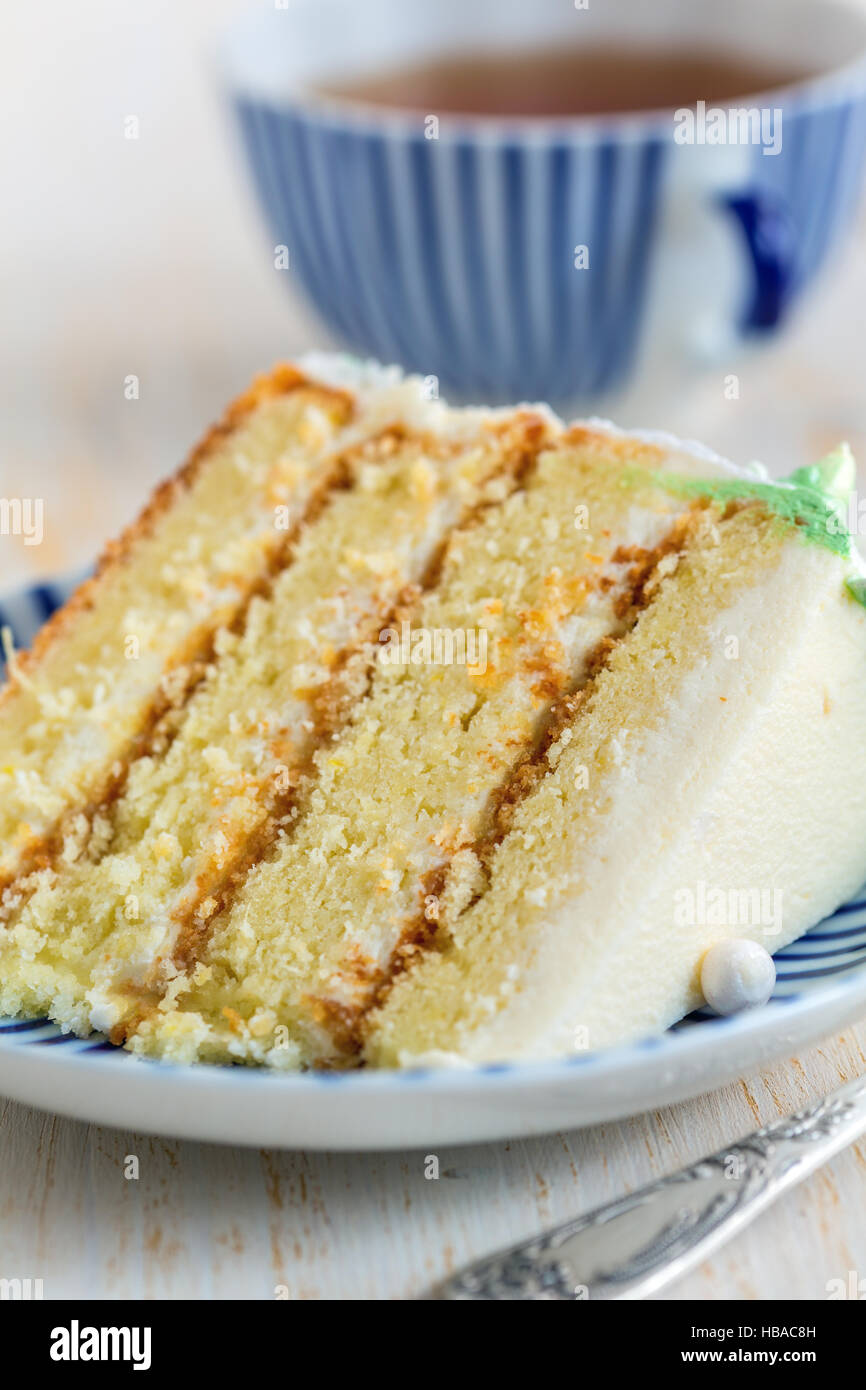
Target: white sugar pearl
x: 737, y: 974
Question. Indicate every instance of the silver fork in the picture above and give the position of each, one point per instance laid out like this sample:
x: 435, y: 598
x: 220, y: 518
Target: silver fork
x: 634, y: 1246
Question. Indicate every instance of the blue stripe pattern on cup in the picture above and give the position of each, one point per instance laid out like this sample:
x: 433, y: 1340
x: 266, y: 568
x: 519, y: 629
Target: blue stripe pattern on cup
x: 801, y: 202
x: 456, y: 258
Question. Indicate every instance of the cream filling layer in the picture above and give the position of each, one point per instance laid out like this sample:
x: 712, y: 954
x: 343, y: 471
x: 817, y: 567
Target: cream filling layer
x: 422, y: 823
x: 744, y: 800
x: 101, y: 925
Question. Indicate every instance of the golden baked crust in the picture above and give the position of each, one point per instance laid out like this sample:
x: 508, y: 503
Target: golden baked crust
x: 188, y: 661
x: 280, y: 381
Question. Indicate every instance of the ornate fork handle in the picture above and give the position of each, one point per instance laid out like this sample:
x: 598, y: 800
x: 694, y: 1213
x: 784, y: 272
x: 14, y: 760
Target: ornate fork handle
x: 632, y: 1247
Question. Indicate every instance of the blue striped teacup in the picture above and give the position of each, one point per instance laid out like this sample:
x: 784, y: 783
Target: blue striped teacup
x: 559, y: 259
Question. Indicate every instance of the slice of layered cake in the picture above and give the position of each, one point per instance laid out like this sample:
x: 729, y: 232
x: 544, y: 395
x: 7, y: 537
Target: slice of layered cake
x: 395, y: 732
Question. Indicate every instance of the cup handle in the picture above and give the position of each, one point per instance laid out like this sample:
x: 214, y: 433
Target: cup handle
x: 768, y: 229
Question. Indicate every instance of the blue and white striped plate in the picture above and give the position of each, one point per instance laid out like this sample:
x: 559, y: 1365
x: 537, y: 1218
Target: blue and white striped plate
x: 821, y: 986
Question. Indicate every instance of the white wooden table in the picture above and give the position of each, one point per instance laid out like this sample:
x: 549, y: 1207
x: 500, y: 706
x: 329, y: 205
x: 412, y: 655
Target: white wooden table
x: 193, y: 309
x: 207, y: 1222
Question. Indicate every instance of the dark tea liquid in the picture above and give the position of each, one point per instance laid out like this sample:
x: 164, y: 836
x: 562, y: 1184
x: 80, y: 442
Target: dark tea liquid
x: 563, y: 82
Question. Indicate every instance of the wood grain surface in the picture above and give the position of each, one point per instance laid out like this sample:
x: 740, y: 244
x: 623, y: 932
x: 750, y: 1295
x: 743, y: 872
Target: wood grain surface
x: 212, y: 1222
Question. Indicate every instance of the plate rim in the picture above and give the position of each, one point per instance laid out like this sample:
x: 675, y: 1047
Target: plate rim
x: 385, y: 1110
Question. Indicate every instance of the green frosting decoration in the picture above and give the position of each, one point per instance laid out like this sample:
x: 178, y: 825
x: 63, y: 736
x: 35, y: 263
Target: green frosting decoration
x: 835, y: 475
x: 856, y: 587
x: 813, y: 500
